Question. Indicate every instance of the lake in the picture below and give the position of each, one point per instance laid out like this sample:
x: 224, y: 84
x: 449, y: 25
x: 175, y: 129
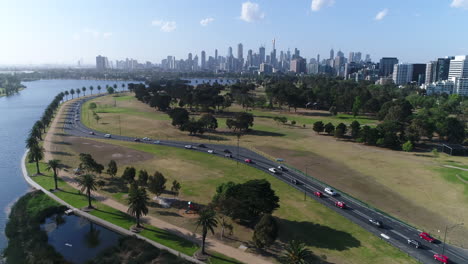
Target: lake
x: 77, y: 239
x: 18, y: 114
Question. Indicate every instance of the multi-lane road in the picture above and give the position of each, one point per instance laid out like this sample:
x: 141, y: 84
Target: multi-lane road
x: 393, y: 231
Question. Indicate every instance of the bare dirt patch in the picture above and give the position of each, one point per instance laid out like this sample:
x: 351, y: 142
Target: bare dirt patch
x: 104, y: 152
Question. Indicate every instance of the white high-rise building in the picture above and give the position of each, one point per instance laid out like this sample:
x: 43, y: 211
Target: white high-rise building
x: 402, y: 73
x: 459, y: 67
x: 461, y: 86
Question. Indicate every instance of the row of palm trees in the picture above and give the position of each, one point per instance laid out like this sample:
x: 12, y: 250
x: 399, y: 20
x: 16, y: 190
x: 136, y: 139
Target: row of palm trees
x: 77, y: 91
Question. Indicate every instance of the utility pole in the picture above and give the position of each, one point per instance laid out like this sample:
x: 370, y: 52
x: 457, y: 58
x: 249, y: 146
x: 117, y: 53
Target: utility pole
x: 120, y: 128
x: 445, y: 235
x: 238, y: 138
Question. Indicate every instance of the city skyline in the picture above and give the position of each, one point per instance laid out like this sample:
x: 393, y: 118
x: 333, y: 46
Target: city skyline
x: 80, y: 31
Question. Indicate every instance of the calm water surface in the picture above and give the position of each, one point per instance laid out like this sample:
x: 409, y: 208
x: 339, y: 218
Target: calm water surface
x: 17, y: 115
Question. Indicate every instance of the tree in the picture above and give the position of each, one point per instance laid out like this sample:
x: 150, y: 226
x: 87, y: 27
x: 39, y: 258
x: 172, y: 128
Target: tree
x: 357, y: 105
x: 66, y: 94
x: 54, y: 165
x: 84, y: 90
x: 207, y: 220
x: 407, y: 146
x: 143, y: 178
x: 78, y: 91
x: 340, y: 130
x: 297, y: 253
x: 355, y: 128
x: 112, y: 168
x: 137, y: 202
x: 89, y: 164
x: 175, y: 187
x: 87, y: 182
x: 110, y: 89
x: 92, y: 106
x: 91, y: 88
x: 36, y: 153
x: 209, y: 121
x: 129, y: 174
x: 123, y: 86
x: 96, y: 117
x: 35, y: 132
x: 31, y: 142
x: 333, y: 110
x: 72, y: 92
x: 179, y: 116
x: 157, y: 183
x: 242, y: 121
x: 329, y: 128
x: 318, y: 127
x: 455, y: 130
x: 265, y: 232
x: 99, y: 88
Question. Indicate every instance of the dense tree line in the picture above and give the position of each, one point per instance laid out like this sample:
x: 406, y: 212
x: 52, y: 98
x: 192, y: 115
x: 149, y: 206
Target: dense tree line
x: 10, y: 83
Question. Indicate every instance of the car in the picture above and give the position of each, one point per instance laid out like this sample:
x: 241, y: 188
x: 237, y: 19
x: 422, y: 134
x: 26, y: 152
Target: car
x: 295, y: 182
x: 210, y: 151
x: 318, y: 194
x: 414, y: 243
x: 107, y: 135
x: 376, y: 222
x: 281, y: 168
x: 248, y: 161
x: 330, y: 191
x: 340, y: 204
x: 441, y: 258
x: 273, y: 170
x: 279, y: 159
x: 137, y: 140
x: 157, y: 142
x: 228, y: 155
x: 146, y: 139
x: 201, y: 146
x: 188, y: 146
x: 227, y: 151
x: 427, y: 237
x: 91, y: 132
x: 76, y: 119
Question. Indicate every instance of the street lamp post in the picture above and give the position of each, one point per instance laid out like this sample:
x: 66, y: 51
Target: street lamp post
x: 445, y: 235
x: 238, y: 138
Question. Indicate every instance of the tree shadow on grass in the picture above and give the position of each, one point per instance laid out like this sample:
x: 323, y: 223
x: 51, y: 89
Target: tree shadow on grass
x: 61, y: 143
x: 224, y: 260
x: 119, y: 215
x: 265, y: 133
x: 211, y: 137
x: 182, y: 239
x: 166, y: 213
x: 61, y: 134
x: 115, y: 185
x: 316, y: 235
x: 60, y: 153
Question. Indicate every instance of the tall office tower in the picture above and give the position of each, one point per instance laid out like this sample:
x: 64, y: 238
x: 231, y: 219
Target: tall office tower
x: 203, y: 60
x: 240, y: 51
x: 442, y: 70
x: 419, y: 73
x: 261, y: 54
x: 339, y: 65
x: 195, y: 63
x: 190, y: 56
x: 386, y: 66
x: 458, y: 67
x: 298, y: 65
x: 402, y: 73
x: 340, y: 54
x: 216, y: 56
x: 229, y: 52
x: 273, y: 54
x: 368, y: 59
x: 250, y: 58
x: 101, y: 63
x: 297, y: 53
x: 357, y: 56
x: 430, y: 72
x: 288, y: 55
x: 332, y: 54
x: 351, y: 57
x: 318, y: 58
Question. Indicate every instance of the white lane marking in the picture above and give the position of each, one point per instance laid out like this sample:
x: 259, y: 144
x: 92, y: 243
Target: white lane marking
x: 362, y: 214
x: 454, y: 253
x: 400, y: 234
x: 432, y: 251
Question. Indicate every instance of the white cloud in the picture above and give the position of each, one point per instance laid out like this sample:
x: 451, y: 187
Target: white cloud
x: 459, y: 4
x: 250, y: 12
x: 107, y: 35
x: 380, y: 15
x: 92, y: 33
x: 206, y: 21
x: 316, y: 5
x: 165, y: 26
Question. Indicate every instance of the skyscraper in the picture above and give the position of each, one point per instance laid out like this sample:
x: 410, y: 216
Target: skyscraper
x: 318, y: 58
x: 203, y: 60
x: 240, y: 51
x: 386, y: 66
x: 351, y: 57
x: 101, y: 63
x: 216, y: 55
x: 261, y: 53
x: 442, y: 68
x: 459, y: 67
x: 229, y: 52
x: 332, y: 54
x: 430, y: 72
x: 402, y: 73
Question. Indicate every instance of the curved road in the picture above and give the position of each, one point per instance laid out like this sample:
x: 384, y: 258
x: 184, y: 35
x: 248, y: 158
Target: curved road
x: 393, y: 231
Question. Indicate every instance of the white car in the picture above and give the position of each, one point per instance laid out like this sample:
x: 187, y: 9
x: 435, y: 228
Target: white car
x: 273, y: 170
x: 146, y: 139
x: 107, y: 136
x: 330, y: 191
x: 157, y: 142
x: 188, y: 146
x: 210, y: 151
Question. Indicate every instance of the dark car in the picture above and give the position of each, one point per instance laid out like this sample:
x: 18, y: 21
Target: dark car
x: 137, y: 140
x: 414, y: 243
x: 376, y: 222
x: 201, y: 146
x: 226, y: 151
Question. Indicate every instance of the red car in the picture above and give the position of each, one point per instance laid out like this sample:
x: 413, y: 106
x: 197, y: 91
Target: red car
x: 341, y: 205
x: 248, y: 161
x: 426, y: 237
x: 318, y: 194
x: 441, y: 258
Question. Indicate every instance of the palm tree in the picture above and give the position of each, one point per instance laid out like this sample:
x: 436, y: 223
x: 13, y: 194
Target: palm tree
x: 36, y: 153
x: 31, y: 142
x: 91, y: 88
x: 78, y: 91
x: 88, y: 183
x: 99, y: 88
x: 175, y: 187
x: 207, y: 220
x: 66, y: 94
x: 84, y: 90
x: 54, y: 165
x: 297, y: 253
x: 123, y: 86
x: 137, y: 203
x: 35, y: 132
x: 72, y: 92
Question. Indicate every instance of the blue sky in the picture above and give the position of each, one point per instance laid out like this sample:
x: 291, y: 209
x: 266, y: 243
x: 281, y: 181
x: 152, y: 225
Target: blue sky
x: 61, y: 31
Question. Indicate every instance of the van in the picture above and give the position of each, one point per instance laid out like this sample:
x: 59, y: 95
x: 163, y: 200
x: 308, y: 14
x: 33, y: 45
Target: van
x: 107, y: 136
